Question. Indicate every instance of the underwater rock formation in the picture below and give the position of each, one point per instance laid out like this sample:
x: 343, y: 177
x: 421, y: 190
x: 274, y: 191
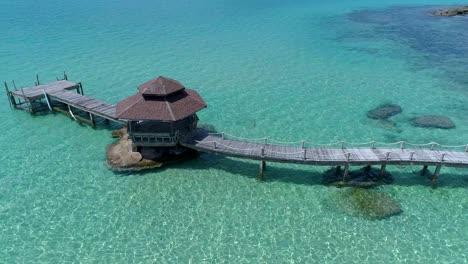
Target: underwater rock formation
x: 433, y: 121
x: 374, y: 204
x: 455, y: 11
x: 209, y: 128
x: 384, y: 111
x: 365, y: 177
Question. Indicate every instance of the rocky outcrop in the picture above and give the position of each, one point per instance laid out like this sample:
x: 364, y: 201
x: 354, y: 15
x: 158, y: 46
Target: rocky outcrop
x: 456, y: 11
x: 121, y: 156
x: 433, y: 121
x: 384, y: 111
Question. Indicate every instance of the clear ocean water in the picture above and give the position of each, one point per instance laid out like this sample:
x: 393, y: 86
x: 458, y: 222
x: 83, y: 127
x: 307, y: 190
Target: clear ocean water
x: 290, y: 70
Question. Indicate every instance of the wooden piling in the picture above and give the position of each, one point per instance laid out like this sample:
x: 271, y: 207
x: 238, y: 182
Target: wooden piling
x: 8, y: 94
x: 338, y: 170
x: 382, y: 171
x: 424, y: 170
x: 91, y: 119
x: 346, y: 172
x: 261, y: 169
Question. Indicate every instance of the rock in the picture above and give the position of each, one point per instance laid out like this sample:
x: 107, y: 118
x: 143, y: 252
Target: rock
x: 433, y: 121
x: 119, y: 133
x: 456, y: 11
x: 374, y: 204
x: 209, y: 128
x: 384, y: 111
x: 365, y: 177
x: 120, y: 154
x: 121, y: 157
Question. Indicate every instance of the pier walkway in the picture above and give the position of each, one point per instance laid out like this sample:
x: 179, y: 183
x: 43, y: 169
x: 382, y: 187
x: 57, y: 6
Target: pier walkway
x: 65, y: 93
x: 337, y: 154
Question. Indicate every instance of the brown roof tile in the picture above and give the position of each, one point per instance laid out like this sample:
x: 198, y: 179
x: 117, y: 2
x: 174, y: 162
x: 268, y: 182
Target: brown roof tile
x: 161, y: 86
x: 176, y: 106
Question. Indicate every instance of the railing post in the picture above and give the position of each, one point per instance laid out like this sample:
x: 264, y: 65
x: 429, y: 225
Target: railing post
x: 303, y: 144
x: 305, y: 154
x: 388, y: 156
x: 373, y: 145
x: 214, y: 144
x: 266, y: 141
x: 411, y: 155
x: 402, y: 144
x: 442, y: 157
x: 432, y: 146
x: 222, y: 135
x: 263, y: 152
x: 342, y: 144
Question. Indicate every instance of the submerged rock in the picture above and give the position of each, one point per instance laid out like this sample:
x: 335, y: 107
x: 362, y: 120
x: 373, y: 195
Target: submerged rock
x: 365, y: 177
x: 365, y: 203
x: 374, y: 204
x: 209, y: 128
x: 455, y: 11
x: 388, y: 125
x: 384, y: 111
x: 433, y: 121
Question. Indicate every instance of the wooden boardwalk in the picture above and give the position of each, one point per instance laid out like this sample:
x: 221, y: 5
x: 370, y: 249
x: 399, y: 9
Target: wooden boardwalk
x: 401, y: 154
x: 66, y: 93
x: 86, y: 104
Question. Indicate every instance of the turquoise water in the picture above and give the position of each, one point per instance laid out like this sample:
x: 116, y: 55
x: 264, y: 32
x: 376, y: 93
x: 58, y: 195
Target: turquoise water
x: 289, y: 70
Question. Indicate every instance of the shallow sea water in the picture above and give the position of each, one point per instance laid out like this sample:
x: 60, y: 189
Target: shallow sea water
x: 287, y: 70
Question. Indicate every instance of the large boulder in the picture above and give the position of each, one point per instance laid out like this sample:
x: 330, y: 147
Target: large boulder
x: 374, y: 204
x: 384, y: 111
x: 433, y: 121
x: 455, y: 11
x: 366, y: 203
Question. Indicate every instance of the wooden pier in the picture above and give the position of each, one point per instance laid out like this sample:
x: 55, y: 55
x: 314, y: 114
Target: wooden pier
x: 337, y: 154
x: 61, y: 96
x: 152, y: 123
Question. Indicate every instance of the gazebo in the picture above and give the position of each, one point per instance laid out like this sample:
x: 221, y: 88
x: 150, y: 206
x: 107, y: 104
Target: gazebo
x: 161, y: 113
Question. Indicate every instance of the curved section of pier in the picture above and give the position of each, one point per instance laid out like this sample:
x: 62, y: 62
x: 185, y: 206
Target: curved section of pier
x: 337, y: 154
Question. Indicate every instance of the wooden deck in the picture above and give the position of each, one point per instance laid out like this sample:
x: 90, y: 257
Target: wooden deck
x: 86, y: 104
x: 66, y: 93
x: 36, y: 92
x: 328, y: 156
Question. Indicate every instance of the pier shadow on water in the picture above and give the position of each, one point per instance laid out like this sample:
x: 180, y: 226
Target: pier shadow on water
x: 300, y: 174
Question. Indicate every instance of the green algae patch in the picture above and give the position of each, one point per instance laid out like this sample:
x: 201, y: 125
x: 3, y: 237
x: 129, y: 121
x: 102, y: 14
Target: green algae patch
x: 374, y: 204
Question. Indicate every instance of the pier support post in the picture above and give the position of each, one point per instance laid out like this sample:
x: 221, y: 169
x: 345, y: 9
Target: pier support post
x: 261, y: 169
x: 80, y: 87
x: 9, y: 95
x: 91, y: 118
x: 338, y: 170
x: 346, y: 172
x: 424, y: 170
x: 382, y: 171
